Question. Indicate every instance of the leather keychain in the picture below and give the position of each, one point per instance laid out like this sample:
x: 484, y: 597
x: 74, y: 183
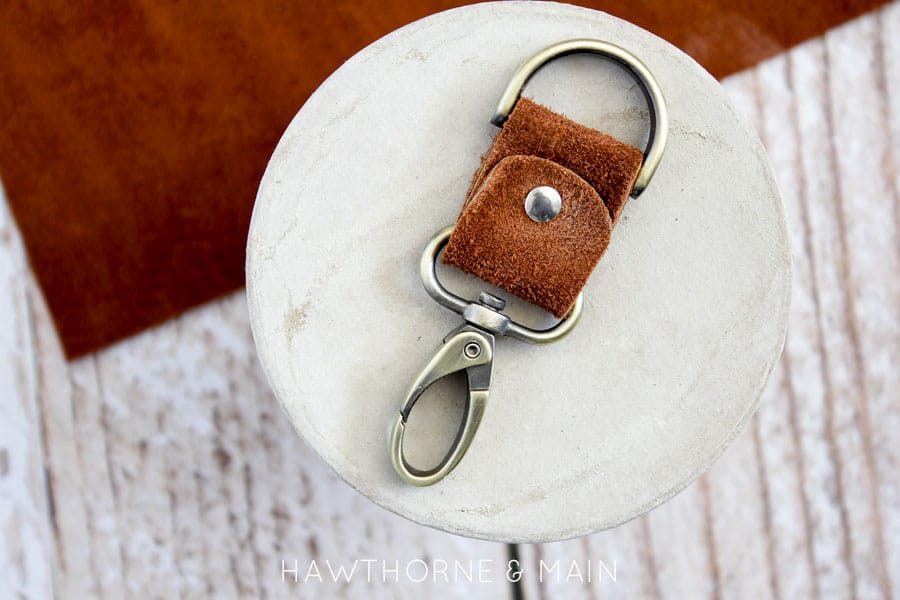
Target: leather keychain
x: 536, y: 221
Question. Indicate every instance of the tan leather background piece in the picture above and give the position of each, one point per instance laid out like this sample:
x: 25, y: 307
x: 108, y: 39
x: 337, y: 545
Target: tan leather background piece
x: 134, y: 133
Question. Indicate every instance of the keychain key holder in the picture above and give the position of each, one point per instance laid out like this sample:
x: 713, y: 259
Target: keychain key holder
x: 680, y: 326
x: 536, y: 221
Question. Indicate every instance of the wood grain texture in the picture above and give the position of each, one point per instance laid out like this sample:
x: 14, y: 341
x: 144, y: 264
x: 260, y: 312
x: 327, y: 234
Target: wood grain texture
x: 27, y: 550
x: 162, y: 467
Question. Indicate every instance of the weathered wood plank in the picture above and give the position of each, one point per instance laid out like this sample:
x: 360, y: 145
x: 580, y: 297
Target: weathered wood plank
x: 679, y: 541
x: 881, y: 362
x: 737, y: 538
x: 830, y: 183
x: 27, y: 546
x: 869, y: 238
x: 77, y: 570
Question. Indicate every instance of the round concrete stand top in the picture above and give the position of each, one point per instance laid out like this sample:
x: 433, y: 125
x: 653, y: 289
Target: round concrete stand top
x: 684, y: 317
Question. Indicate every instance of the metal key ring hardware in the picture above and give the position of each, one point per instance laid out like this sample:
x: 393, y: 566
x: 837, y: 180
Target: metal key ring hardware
x: 659, y: 121
x: 486, y: 312
x: 470, y: 349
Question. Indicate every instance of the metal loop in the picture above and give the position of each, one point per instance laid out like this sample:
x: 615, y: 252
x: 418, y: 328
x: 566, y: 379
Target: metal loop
x: 659, y: 121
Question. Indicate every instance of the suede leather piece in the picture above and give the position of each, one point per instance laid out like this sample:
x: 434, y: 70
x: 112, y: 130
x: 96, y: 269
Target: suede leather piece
x: 603, y: 161
x: 546, y: 264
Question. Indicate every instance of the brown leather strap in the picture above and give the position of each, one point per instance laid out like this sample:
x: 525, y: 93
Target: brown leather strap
x: 546, y: 264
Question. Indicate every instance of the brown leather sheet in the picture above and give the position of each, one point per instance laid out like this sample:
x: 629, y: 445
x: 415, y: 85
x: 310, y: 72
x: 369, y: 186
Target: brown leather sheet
x: 134, y: 133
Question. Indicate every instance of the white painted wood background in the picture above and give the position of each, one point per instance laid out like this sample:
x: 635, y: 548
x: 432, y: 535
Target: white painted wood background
x: 162, y: 467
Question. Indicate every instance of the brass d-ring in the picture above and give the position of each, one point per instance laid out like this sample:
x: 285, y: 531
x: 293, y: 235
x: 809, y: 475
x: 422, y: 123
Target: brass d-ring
x: 659, y: 121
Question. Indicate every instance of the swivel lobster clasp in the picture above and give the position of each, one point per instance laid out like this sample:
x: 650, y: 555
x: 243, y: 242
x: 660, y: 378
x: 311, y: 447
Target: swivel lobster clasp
x: 468, y: 349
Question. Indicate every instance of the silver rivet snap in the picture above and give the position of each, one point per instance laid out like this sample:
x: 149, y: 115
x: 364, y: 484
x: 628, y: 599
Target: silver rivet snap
x: 472, y: 350
x: 543, y: 203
